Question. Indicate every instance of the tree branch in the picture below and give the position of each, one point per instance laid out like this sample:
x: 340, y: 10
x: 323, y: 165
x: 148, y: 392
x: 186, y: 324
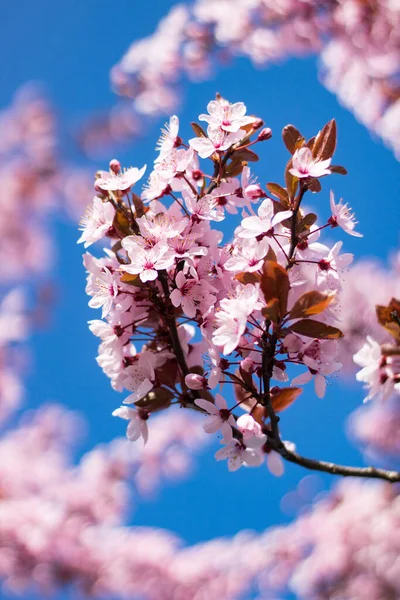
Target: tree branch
x: 334, y: 469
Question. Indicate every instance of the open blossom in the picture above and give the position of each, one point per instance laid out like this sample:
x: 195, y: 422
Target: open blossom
x: 187, y: 294
x: 168, y: 138
x: 320, y: 358
x: 252, y: 227
x: 137, y: 426
x: 107, y: 291
x: 217, y: 141
x: 229, y: 117
x: 238, y: 455
x: 304, y: 165
x: 248, y: 257
x: 219, y: 417
x: 331, y: 266
x: 147, y: 262
x: 380, y: 373
x: 139, y: 377
x: 342, y: 217
x: 232, y: 318
x: 111, y: 182
x: 97, y: 221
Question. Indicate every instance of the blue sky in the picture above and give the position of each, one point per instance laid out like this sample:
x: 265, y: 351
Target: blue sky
x: 70, y: 47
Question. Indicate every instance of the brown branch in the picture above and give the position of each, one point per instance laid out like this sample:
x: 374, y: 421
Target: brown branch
x: 269, y: 341
x: 334, y: 469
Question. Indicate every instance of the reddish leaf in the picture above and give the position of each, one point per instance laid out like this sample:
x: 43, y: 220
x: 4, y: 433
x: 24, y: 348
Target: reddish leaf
x: 246, y: 278
x: 325, y: 142
x: 290, y: 135
x: 121, y: 224
x: 270, y: 255
x: 310, y: 303
x: 338, y: 169
x: 314, y: 186
x: 284, y: 398
x: 245, y: 154
x: 271, y: 311
x: 140, y: 208
x: 315, y: 329
x: 157, y: 399
x: 291, y: 181
x: 275, y: 285
x: 199, y: 131
x: 306, y: 222
x: 389, y: 318
x: 131, y: 279
x: 280, y: 192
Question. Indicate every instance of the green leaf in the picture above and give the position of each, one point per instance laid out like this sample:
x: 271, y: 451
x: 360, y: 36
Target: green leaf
x: 315, y: 329
x: 310, y: 303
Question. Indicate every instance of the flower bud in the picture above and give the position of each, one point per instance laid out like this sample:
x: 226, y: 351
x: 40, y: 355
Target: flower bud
x: 257, y: 124
x: 195, y: 381
x: 265, y: 134
x: 115, y: 166
x: 247, y: 365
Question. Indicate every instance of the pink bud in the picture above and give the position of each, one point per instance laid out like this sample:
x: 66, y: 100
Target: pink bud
x: 195, y: 381
x: 247, y: 365
x: 115, y: 166
x: 265, y: 134
x: 248, y: 426
x: 258, y: 123
x: 254, y: 192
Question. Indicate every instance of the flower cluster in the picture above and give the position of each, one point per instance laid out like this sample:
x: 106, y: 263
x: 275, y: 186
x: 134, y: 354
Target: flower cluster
x: 358, y: 42
x: 183, y: 312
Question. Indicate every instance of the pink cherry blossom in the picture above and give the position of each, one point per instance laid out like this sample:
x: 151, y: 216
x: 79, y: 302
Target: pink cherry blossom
x: 342, y: 217
x: 187, y: 294
x: 381, y: 374
x: 168, y: 138
x: 238, y: 455
x: 304, y: 165
x: 137, y: 426
x: 229, y: 117
x: 97, y: 222
x: 147, y: 262
x: 217, y: 141
x: 232, y: 318
x: 110, y: 182
x: 248, y: 256
x: 107, y: 291
x: 252, y: 227
x: 219, y: 417
x: 139, y: 377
